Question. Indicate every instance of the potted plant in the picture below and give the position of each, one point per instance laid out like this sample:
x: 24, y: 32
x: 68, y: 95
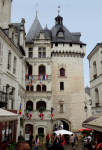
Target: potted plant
x: 30, y: 108
x: 21, y: 122
x: 41, y: 137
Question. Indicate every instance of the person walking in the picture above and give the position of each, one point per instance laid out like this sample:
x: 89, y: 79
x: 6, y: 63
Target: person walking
x: 62, y: 140
x: 31, y: 140
x: 76, y: 139
x: 52, y: 139
x: 47, y: 140
x: 36, y: 143
x: 72, y: 141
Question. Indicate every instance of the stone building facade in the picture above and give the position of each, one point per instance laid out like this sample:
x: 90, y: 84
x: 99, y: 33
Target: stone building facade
x: 55, y: 54
x: 95, y: 68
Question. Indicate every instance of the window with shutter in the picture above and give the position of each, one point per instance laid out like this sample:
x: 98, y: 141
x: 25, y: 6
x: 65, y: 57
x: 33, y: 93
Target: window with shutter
x: 0, y: 84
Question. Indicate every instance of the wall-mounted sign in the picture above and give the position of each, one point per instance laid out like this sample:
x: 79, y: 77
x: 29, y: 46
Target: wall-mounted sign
x: 27, y: 137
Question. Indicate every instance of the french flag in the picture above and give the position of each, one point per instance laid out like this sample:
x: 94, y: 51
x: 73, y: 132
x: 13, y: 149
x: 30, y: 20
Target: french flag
x: 52, y: 112
x: 39, y: 77
x: 45, y: 77
x: 41, y: 117
x: 43, y: 114
x: 39, y: 113
x: 41, y: 83
x: 29, y: 83
x: 28, y: 117
x: 27, y: 76
x: 27, y: 112
x: 31, y: 79
x: 30, y: 114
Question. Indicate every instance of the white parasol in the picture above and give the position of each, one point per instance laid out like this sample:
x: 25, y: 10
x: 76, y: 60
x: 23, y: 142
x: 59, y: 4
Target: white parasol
x: 63, y: 132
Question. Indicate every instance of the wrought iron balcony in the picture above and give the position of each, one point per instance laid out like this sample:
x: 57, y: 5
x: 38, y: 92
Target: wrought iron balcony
x: 3, y: 99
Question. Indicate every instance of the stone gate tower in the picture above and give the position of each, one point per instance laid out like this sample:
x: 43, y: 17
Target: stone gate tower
x: 5, y: 13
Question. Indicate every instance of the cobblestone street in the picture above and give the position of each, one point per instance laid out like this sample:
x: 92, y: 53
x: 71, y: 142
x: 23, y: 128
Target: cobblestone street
x: 67, y: 147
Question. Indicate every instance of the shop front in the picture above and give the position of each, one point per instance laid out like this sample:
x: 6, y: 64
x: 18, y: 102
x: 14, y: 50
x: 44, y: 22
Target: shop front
x: 96, y: 125
x: 8, y: 128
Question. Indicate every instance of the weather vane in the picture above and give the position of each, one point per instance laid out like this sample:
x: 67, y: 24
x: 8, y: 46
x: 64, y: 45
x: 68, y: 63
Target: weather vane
x: 58, y: 9
x: 36, y: 8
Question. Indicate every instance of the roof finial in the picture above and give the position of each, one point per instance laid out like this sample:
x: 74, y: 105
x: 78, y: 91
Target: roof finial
x: 36, y: 9
x: 58, y: 9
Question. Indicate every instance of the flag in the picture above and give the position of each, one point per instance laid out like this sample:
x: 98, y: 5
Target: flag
x: 31, y: 79
x: 45, y: 77
x: 41, y: 117
x: 28, y: 117
x: 41, y: 83
x: 58, y: 6
x: 43, y: 114
x: 27, y: 76
x: 20, y: 112
x: 52, y: 112
x: 39, y: 113
x: 29, y: 83
x: 27, y: 112
x: 39, y: 77
x: 30, y: 114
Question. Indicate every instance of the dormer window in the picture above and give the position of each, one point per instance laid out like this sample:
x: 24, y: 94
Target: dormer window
x: 60, y: 34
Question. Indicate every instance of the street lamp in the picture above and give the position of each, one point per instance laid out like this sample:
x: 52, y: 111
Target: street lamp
x: 85, y: 108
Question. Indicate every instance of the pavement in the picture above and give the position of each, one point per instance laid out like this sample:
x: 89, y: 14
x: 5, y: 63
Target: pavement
x: 67, y: 146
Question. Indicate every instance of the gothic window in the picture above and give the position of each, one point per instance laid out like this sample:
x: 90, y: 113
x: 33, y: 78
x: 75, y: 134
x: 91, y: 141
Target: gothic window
x: 61, y: 85
x: 31, y: 88
x: 40, y: 104
x: 38, y: 88
x: 27, y: 88
x: 42, y: 52
x: 30, y: 53
x: 62, y: 72
x: 30, y: 70
x: 44, y: 88
x: 41, y: 70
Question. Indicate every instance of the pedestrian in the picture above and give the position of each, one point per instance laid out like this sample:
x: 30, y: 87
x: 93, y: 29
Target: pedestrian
x: 22, y: 145
x: 99, y: 146
x: 72, y: 141
x: 52, y: 139
x: 36, y: 143
x: 57, y: 139
x: 62, y: 140
x: 31, y: 140
x: 47, y: 140
x: 76, y: 139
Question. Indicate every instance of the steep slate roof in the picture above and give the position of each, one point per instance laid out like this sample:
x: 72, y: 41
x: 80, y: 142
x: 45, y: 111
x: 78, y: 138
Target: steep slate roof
x: 47, y: 32
x: 68, y: 36
x: 35, y: 28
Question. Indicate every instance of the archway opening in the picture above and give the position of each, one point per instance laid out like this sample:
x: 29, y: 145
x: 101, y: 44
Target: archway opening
x: 28, y: 129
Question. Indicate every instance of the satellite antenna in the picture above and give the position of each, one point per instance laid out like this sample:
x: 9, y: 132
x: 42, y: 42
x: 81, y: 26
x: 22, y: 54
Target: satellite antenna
x: 36, y: 5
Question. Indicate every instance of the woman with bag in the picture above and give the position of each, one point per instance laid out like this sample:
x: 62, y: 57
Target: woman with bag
x: 36, y: 143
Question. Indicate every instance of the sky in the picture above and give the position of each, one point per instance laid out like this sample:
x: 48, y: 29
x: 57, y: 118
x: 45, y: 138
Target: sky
x: 78, y: 16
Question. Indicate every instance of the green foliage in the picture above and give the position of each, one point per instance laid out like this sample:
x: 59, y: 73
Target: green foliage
x: 41, y: 109
x: 11, y: 146
x: 41, y: 136
x: 30, y: 108
x: 21, y: 122
x: 86, y: 132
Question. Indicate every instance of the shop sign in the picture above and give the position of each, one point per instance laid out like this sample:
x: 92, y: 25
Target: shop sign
x: 27, y: 137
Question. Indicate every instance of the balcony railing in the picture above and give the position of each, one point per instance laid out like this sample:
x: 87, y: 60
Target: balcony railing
x: 8, y: 66
x: 97, y: 104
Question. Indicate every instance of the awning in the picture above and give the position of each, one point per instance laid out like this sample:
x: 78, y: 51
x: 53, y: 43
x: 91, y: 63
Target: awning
x: 95, y: 124
x: 7, y: 116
